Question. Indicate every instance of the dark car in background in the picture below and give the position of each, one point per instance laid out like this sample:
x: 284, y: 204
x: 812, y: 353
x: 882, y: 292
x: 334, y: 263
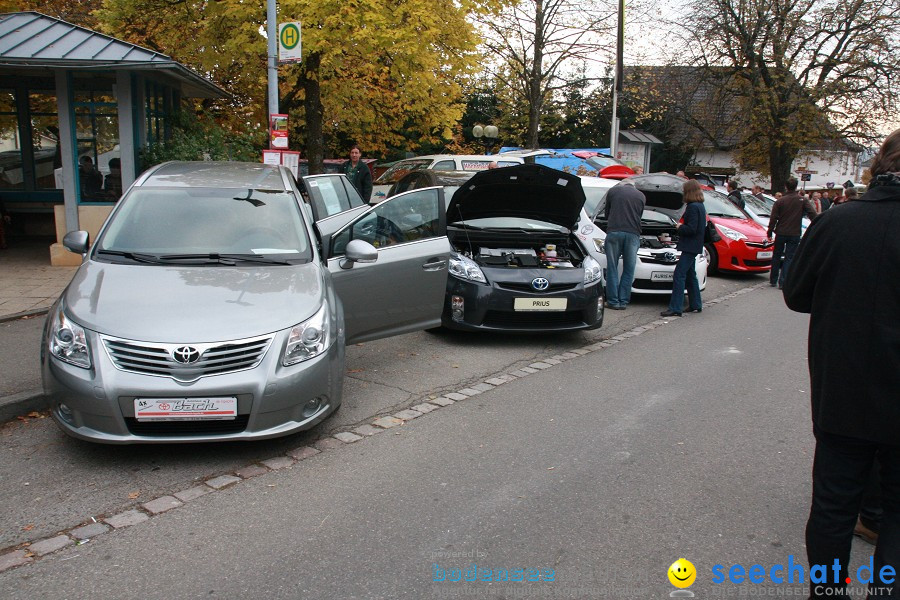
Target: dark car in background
x: 517, y: 264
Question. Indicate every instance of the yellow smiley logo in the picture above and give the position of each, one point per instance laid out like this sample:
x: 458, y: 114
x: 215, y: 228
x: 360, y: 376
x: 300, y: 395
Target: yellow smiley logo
x: 682, y: 573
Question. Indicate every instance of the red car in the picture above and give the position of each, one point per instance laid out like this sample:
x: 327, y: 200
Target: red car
x: 744, y: 246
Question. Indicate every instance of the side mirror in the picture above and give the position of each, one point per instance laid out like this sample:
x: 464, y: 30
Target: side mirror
x: 77, y: 241
x: 358, y: 251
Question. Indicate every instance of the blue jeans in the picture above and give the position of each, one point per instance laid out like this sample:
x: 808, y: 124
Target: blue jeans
x: 785, y: 245
x: 620, y: 244
x: 685, y: 276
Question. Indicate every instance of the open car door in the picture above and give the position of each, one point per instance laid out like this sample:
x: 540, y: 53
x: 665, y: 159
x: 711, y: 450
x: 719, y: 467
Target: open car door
x: 403, y: 288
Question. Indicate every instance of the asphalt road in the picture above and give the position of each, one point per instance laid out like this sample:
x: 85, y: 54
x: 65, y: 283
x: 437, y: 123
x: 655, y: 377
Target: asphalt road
x: 50, y: 482
x: 691, y: 440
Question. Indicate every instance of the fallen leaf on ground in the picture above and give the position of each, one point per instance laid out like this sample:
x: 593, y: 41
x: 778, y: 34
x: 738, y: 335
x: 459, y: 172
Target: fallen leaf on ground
x: 28, y: 527
x: 355, y: 370
x: 133, y: 495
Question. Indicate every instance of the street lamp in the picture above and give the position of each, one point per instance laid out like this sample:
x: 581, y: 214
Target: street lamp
x: 486, y: 135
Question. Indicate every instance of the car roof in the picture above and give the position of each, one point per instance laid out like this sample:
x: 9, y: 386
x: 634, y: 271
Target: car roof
x: 487, y: 157
x: 600, y: 182
x: 212, y: 174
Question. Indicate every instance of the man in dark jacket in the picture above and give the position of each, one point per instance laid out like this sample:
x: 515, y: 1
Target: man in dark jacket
x: 359, y: 174
x: 845, y: 275
x: 734, y: 194
x: 786, y: 222
x: 624, y: 206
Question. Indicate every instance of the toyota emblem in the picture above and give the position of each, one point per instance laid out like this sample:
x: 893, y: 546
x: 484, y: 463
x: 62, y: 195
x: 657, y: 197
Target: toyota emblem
x: 540, y: 283
x: 670, y: 257
x: 186, y: 355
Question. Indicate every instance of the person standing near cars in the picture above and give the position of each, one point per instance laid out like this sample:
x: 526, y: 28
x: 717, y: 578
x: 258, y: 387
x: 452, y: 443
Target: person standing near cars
x: 734, y: 194
x: 844, y: 275
x: 786, y: 222
x: 624, y: 205
x: 358, y: 174
x: 691, y: 233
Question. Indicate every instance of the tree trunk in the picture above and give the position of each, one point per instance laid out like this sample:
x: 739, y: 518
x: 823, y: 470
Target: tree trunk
x: 780, y: 160
x: 535, y: 98
x: 312, y: 106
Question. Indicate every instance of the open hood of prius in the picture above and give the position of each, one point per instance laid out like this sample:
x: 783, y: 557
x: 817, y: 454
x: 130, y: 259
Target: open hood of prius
x: 524, y: 191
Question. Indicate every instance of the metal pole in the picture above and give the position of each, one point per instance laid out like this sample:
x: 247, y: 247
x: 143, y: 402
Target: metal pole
x: 272, y: 34
x: 620, y: 80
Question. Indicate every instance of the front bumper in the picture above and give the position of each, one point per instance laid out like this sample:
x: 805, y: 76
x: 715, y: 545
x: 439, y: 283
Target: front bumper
x: 490, y: 307
x: 743, y: 255
x: 653, y: 274
x: 97, y: 404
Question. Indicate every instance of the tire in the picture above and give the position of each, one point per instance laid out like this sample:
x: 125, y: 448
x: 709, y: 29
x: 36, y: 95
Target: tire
x: 712, y: 259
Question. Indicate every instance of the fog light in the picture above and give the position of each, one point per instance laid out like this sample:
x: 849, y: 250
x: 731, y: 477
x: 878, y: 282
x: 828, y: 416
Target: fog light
x: 65, y: 412
x: 599, y: 310
x: 457, y: 308
x: 312, y: 407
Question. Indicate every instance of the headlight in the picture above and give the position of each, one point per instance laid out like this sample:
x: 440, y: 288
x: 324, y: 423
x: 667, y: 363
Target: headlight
x: 308, y: 339
x: 598, y: 244
x: 67, y: 340
x: 465, y: 268
x: 592, y: 271
x: 731, y: 233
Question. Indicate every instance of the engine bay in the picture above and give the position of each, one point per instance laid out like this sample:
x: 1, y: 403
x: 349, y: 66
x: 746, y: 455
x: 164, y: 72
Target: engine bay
x: 512, y: 250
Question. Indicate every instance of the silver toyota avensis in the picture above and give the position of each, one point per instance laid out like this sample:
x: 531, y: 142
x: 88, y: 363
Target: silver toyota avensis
x: 213, y: 307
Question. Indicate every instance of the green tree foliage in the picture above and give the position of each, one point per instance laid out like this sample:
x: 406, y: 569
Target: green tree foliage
x: 804, y: 72
x: 201, y: 138
x: 382, y: 74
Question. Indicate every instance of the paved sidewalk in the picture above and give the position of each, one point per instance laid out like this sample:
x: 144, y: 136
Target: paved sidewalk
x: 28, y: 284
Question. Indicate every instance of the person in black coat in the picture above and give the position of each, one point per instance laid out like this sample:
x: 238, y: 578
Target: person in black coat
x: 359, y: 174
x: 691, y: 233
x: 845, y: 275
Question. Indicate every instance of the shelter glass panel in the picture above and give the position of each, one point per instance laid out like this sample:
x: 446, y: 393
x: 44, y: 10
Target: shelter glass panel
x: 45, y: 141
x: 11, y: 175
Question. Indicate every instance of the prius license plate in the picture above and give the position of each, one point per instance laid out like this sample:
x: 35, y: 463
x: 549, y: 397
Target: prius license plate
x: 661, y: 275
x: 185, y: 409
x: 540, y: 304
x: 767, y: 254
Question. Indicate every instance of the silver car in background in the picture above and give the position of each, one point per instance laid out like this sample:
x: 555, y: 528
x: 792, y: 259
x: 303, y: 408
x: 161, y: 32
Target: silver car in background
x: 214, y: 307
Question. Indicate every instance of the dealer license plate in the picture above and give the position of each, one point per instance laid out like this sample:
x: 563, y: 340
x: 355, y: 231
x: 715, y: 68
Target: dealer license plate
x: 540, y: 304
x: 661, y: 276
x: 185, y: 409
x: 767, y: 254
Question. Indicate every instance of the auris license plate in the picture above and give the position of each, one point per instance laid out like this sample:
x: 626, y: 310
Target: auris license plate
x: 767, y: 254
x: 185, y: 409
x: 540, y: 304
x: 661, y: 275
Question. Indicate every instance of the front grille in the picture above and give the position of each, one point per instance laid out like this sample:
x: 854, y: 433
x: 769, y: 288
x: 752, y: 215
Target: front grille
x: 526, y: 287
x: 186, y: 428
x: 659, y: 259
x: 533, y: 319
x: 758, y: 263
x: 761, y: 244
x: 157, y: 359
x: 644, y: 284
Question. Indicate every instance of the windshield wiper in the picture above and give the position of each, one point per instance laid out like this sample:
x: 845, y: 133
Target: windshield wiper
x: 135, y: 256
x: 224, y: 259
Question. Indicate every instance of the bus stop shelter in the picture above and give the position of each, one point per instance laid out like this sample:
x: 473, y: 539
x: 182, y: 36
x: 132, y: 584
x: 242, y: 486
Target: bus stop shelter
x: 76, y: 107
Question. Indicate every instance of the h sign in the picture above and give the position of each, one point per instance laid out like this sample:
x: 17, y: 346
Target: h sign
x: 289, y: 42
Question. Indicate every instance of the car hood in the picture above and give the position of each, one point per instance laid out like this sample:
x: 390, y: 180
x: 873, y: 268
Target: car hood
x: 173, y: 304
x: 747, y: 226
x: 661, y: 190
x: 525, y: 191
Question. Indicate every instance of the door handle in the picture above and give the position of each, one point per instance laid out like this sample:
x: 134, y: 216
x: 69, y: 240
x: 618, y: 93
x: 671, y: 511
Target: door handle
x: 435, y: 264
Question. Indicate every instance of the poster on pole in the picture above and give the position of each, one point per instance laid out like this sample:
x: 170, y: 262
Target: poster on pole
x: 289, y: 42
x: 278, y: 132
x: 291, y: 159
x: 271, y: 157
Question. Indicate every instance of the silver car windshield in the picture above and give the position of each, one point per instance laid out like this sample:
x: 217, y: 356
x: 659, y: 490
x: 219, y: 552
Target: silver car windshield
x: 208, y: 221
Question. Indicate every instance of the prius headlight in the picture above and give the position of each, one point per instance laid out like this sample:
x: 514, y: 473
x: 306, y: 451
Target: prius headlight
x: 308, y: 339
x: 599, y: 245
x: 67, y: 340
x: 466, y: 268
x: 730, y: 233
x: 592, y: 270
